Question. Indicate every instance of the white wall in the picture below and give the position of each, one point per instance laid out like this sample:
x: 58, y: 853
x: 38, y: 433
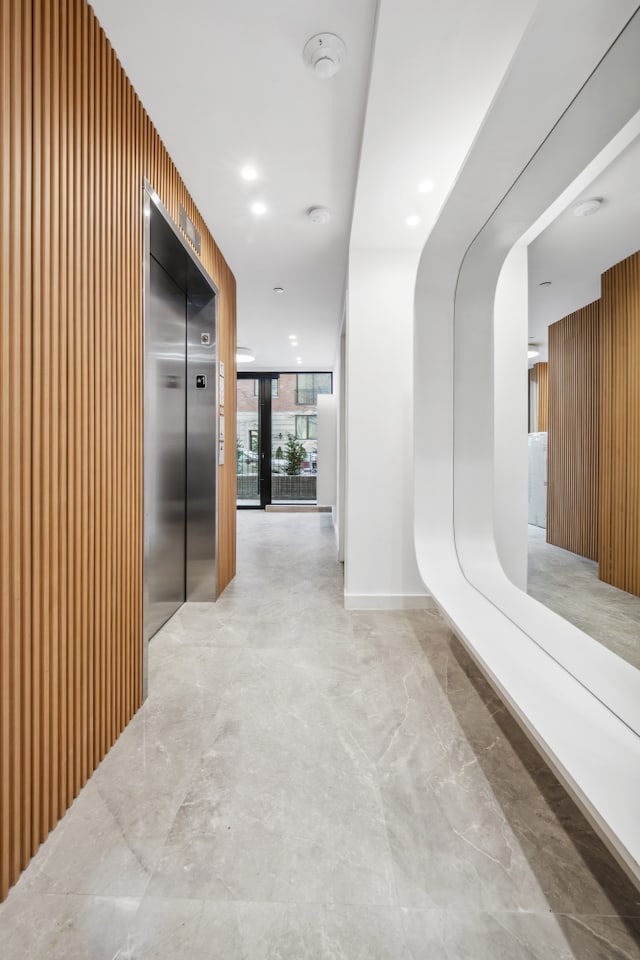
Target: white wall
x: 380, y: 565
x: 327, y: 446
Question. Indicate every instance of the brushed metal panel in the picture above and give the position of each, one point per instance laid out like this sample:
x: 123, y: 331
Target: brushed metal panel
x: 165, y: 449
x: 201, y: 574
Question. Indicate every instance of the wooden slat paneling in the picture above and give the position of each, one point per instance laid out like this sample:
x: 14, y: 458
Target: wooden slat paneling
x: 619, y: 506
x: 16, y: 687
x: 76, y: 145
x: 572, y: 490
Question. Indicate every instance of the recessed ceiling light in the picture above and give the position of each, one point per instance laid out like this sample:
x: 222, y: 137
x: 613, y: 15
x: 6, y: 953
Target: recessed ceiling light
x: 586, y: 207
x: 258, y: 208
x: 298, y: 359
x: 249, y: 173
x: 293, y: 336
x: 532, y: 353
x: 294, y: 343
x: 545, y: 283
x: 244, y: 355
x: 425, y: 186
x: 278, y: 289
x: 412, y: 221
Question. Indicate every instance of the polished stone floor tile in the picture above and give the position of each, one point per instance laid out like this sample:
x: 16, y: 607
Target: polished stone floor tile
x: 309, y: 782
x: 569, y: 585
x: 54, y: 927
x: 267, y: 931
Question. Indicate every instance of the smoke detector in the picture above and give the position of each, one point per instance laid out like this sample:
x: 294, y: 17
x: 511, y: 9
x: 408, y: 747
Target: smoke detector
x: 587, y: 207
x: 324, y: 54
x: 319, y: 214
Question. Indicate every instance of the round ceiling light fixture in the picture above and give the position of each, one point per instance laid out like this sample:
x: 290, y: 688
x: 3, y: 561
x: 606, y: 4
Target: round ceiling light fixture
x: 244, y: 355
x: 324, y: 54
x: 319, y: 214
x: 587, y: 207
x: 545, y: 283
x: 278, y: 289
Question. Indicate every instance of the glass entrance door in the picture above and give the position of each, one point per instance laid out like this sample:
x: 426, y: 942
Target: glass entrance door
x: 248, y: 442
x: 277, y: 437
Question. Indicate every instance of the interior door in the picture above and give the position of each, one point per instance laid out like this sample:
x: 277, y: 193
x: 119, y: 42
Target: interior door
x: 165, y: 448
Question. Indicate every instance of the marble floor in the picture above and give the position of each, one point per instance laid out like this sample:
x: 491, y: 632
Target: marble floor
x: 304, y: 782
x: 569, y: 584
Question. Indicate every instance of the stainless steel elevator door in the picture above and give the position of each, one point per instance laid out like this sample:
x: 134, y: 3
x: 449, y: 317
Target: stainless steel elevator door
x: 165, y: 449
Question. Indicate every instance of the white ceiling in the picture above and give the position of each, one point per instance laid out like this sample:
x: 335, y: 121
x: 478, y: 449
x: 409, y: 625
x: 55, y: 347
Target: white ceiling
x: 225, y: 84
x: 436, y: 68
x: 573, y: 252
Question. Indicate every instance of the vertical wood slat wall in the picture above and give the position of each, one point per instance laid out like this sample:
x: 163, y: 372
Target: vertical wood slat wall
x: 572, y: 490
x: 619, y: 509
x: 76, y: 144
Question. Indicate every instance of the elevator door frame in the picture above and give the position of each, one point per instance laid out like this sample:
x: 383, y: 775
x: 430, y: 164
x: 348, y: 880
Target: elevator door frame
x: 152, y: 207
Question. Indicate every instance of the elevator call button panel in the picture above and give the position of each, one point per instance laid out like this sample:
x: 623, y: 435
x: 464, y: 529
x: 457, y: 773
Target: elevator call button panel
x: 201, y: 381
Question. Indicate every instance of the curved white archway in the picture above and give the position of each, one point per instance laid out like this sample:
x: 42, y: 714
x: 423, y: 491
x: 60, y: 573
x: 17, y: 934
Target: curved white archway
x: 579, y: 702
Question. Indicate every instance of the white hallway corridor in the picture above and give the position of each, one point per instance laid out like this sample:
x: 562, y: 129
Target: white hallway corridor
x: 304, y: 782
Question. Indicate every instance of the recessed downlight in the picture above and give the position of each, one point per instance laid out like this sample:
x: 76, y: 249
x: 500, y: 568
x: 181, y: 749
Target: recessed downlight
x: 412, y: 221
x: 258, y: 208
x: 278, y: 289
x: 425, y: 186
x: 545, y: 283
x: 532, y: 353
x: 293, y: 336
x: 249, y: 173
x: 298, y: 359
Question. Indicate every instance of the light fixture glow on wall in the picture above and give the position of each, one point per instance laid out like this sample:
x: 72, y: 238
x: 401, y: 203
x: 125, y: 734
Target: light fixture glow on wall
x: 249, y: 173
x: 258, y: 208
x: 244, y: 355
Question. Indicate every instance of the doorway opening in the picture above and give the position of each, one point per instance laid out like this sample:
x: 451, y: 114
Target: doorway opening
x: 277, y: 437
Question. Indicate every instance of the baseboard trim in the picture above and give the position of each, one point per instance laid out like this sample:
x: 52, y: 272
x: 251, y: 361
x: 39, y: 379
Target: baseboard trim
x: 399, y: 601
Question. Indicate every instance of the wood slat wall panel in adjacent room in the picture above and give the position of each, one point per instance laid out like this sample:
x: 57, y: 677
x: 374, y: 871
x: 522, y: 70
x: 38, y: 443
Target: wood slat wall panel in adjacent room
x: 76, y: 146
x: 572, y: 491
x: 619, y: 508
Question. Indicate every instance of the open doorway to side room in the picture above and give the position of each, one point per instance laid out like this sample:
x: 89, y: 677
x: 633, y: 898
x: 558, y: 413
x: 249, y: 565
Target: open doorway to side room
x: 277, y: 438
x: 584, y: 408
